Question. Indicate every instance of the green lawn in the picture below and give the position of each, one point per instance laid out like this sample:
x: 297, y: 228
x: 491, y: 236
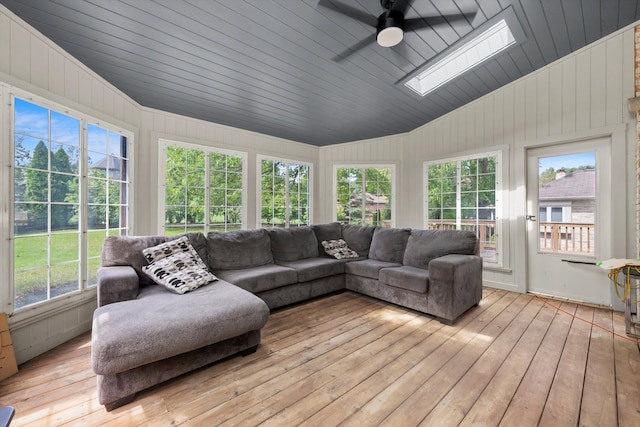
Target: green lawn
x: 31, y: 264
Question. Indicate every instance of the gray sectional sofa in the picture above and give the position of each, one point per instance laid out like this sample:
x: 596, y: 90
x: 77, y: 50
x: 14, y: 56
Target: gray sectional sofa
x: 144, y: 334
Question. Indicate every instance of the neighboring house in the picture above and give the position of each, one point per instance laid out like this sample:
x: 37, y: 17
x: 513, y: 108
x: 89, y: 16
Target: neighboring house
x: 569, y: 198
x: 375, y: 203
x: 111, y: 163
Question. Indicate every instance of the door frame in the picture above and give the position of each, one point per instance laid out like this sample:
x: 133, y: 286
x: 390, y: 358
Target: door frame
x: 619, y: 167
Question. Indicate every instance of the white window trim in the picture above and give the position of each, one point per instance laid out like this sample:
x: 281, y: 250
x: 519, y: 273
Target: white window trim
x: 45, y: 309
x: 162, y: 176
x: 394, y: 195
x: 259, y: 159
x: 502, y: 224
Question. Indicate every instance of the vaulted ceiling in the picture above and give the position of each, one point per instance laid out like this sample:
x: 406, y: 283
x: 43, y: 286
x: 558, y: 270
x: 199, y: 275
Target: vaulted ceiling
x: 291, y: 68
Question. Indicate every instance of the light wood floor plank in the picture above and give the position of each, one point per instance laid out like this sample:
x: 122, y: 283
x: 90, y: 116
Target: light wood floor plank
x: 627, y: 375
x: 598, y: 406
x: 452, y: 409
x: 563, y: 402
x: 494, y: 401
x: 351, y: 360
x: 435, y: 334
x: 377, y: 409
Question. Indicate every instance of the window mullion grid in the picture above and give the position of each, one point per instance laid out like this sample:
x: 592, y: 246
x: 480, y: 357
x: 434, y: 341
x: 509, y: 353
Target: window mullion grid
x: 458, y: 196
x: 49, y: 210
x: 83, y: 199
x: 287, y: 197
x: 364, y: 197
x: 207, y: 191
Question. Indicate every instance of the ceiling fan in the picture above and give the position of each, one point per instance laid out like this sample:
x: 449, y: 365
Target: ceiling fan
x: 391, y: 24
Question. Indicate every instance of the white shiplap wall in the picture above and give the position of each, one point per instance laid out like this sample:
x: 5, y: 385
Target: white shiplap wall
x: 33, y: 65
x: 580, y: 96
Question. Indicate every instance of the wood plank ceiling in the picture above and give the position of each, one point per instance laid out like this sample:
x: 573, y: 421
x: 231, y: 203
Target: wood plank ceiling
x: 270, y: 65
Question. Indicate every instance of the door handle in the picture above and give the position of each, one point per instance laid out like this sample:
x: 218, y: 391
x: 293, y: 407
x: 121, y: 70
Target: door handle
x: 531, y: 217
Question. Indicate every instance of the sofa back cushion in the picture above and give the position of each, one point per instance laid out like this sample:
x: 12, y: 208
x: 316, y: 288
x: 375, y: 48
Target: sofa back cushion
x: 388, y: 244
x: 358, y: 238
x: 326, y: 232
x: 127, y: 250
x: 238, y: 249
x: 291, y: 244
x: 425, y: 245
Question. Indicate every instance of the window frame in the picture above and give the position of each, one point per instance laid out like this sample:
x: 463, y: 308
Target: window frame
x: 364, y: 166
x: 85, y: 291
x: 259, y: 159
x: 501, y: 201
x: 163, y: 143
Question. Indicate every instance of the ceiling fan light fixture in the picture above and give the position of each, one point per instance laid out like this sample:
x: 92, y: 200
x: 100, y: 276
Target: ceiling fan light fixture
x: 390, y: 28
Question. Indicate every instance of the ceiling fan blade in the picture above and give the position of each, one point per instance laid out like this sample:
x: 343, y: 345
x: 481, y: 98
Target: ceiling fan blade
x: 432, y: 21
x: 350, y: 11
x: 353, y: 49
x: 402, y: 5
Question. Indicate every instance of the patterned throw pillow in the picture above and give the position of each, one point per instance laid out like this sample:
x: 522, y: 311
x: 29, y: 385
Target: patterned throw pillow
x: 176, y: 266
x: 338, y: 249
x: 169, y: 248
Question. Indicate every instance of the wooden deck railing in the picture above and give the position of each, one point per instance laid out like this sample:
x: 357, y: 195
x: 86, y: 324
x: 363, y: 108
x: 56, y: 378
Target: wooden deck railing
x: 554, y: 236
x: 567, y: 237
x: 485, y: 230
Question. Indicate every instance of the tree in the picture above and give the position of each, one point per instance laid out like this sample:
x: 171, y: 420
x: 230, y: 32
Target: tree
x: 61, y: 178
x: 37, y: 186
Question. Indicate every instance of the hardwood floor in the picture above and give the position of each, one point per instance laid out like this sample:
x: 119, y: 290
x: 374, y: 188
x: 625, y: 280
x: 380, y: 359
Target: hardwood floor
x: 351, y: 360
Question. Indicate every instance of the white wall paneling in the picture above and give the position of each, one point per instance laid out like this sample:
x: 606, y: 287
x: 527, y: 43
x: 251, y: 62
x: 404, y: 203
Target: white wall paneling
x: 31, y: 63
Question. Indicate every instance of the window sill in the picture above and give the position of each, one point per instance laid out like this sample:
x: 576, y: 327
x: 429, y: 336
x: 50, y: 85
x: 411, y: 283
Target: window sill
x: 47, y: 309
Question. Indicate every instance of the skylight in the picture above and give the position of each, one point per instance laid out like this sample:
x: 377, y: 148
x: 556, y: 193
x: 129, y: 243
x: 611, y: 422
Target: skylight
x: 480, y: 48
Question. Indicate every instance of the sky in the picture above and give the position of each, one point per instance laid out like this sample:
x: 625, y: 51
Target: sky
x: 567, y: 161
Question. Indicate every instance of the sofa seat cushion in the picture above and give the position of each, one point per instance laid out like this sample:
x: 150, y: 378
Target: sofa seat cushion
x: 405, y: 277
x: 259, y: 279
x: 368, y: 267
x: 160, y: 324
x: 315, y: 268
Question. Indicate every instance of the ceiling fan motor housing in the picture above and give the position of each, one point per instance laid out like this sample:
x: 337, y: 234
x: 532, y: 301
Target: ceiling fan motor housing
x: 390, y: 28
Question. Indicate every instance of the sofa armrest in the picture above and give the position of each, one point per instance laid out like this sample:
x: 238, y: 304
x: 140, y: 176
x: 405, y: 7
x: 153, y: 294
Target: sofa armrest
x: 455, y: 285
x: 118, y: 283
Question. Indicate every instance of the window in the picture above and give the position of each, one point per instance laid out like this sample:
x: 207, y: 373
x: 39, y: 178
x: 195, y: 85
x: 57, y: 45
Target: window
x: 203, y: 189
x: 463, y: 194
x: 57, y: 203
x: 555, y: 213
x: 285, y: 196
x: 364, y: 195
